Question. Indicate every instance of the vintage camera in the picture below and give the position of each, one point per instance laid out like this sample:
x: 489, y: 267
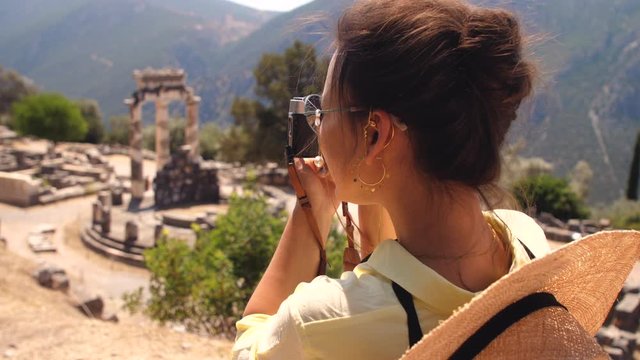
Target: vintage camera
x: 302, y: 141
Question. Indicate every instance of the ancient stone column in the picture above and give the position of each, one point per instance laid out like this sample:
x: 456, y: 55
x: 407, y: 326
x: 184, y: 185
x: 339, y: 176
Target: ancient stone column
x: 106, y: 220
x: 96, y: 216
x: 162, y: 134
x: 105, y: 198
x: 135, y: 150
x: 130, y: 231
x: 191, y: 131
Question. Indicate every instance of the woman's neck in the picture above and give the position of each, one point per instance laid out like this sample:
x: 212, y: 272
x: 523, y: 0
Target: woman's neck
x: 446, y: 230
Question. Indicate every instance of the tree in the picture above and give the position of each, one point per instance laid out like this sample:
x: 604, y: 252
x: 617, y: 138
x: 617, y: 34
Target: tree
x: 634, y: 172
x: 49, y: 116
x: 13, y: 87
x: 279, y: 77
x: 550, y: 194
x: 91, y: 113
x: 210, y: 136
x: 118, y: 130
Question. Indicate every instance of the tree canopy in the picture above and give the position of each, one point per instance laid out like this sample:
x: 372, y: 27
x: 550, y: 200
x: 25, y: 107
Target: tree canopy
x: 91, y: 113
x: 550, y: 194
x: 49, y: 116
x: 261, y: 125
x: 13, y: 87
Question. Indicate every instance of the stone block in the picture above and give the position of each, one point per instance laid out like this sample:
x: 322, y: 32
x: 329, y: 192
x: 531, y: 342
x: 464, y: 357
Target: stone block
x: 96, y: 213
x: 91, y: 306
x: 52, y: 277
x: 627, y: 313
x: 558, y: 234
x: 106, y: 220
x: 575, y: 225
x: 157, y: 232
x: 116, y: 197
x: 614, y: 353
x: 19, y: 189
x: 60, y: 282
x: 131, y: 231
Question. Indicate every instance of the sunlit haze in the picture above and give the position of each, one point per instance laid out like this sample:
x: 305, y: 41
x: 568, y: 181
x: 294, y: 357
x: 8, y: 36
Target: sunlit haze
x: 274, y: 5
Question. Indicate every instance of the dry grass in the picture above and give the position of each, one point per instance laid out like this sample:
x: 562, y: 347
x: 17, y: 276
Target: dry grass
x: 36, y: 323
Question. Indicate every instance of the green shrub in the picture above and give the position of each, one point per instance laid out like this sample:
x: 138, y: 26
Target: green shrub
x: 624, y: 214
x: 550, y: 194
x: 206, y: 287
x: 49, y: 116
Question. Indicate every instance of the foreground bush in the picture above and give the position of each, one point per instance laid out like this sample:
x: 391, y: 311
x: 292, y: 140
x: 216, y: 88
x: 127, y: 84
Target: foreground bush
x: 206, y: 287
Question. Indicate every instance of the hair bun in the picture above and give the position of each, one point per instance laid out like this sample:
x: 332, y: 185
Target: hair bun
x: 491, y: 51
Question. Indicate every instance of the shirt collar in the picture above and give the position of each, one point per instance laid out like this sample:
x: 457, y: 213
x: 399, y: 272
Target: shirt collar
x: 394, y: 262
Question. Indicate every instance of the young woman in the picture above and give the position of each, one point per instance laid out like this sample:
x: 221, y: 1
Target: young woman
x: 417, y: 102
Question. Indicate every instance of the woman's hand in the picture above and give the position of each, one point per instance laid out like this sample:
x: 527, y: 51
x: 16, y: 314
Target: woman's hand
x: 297, y: 256
x: 320, y: 190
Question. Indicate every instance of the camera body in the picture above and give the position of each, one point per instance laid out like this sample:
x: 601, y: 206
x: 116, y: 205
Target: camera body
x: 302, y: 141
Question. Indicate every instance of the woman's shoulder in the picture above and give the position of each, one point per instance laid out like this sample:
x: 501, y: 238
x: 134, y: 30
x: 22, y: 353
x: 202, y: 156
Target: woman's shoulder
x: 328, y: 298
x: 525, y: 229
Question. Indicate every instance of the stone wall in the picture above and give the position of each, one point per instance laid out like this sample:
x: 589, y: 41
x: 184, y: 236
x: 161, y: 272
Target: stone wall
x: 19, y: 189
x: 184, y: 180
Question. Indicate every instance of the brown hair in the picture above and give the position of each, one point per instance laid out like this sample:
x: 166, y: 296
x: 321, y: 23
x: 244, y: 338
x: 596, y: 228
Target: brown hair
x: 453, y: 72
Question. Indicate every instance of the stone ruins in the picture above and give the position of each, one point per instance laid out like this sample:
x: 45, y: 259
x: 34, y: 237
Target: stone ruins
x: 32, y: 175
x: 161, y: 86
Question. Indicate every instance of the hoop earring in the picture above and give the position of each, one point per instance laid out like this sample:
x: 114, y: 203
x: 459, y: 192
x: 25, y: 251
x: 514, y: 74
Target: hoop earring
x: 373, y: 185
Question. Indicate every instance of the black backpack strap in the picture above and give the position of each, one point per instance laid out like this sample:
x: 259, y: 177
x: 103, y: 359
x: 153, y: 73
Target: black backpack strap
x: 406, y: 300
x: 502, y: 321
x: 526, y: 248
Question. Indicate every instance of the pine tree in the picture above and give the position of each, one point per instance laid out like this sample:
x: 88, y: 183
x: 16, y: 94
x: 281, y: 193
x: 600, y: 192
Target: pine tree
x: 634, y: 173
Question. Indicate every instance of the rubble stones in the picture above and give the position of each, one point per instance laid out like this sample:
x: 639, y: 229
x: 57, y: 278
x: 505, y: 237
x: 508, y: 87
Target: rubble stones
x: 52, y: 277
x: 627, y: 313
x: 52, y: 175
x: 91, y: 306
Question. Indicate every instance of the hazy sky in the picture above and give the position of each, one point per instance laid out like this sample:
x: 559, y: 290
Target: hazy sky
x: 277, y: 5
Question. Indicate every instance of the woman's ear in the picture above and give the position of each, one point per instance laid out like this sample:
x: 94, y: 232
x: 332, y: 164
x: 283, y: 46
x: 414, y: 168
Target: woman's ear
x: 379, y: 133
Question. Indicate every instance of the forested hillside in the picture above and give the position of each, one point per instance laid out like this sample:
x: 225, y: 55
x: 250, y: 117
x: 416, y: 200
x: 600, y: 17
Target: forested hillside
x: 587, y: 105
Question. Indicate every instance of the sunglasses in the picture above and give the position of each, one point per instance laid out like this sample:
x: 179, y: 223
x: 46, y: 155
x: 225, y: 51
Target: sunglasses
x: 314, y: 113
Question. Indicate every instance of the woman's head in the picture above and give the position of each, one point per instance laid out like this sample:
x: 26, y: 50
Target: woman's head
x: 452, y: 72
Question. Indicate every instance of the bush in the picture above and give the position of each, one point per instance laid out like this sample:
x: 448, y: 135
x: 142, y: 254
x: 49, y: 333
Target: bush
x: 624, y: 214
x: 210, y: 137
x: 91, y: 113
x: 118, y: 130
x: 207, y: 287
x: 550, y: 194
x: 49, y: 116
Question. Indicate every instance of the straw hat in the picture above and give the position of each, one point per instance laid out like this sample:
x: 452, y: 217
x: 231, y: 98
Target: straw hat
x: 585, y: 276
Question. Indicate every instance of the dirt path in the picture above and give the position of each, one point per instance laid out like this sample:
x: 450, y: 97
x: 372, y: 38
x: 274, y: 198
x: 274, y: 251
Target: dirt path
x: 96, y: 274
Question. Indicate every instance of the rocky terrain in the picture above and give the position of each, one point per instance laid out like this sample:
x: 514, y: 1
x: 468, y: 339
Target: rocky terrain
x: 37, y: 323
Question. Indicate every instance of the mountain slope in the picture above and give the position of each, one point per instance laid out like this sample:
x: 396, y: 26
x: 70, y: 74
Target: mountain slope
x: 587, y: 107
x: 89, y: 48
x: 588, y: 103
